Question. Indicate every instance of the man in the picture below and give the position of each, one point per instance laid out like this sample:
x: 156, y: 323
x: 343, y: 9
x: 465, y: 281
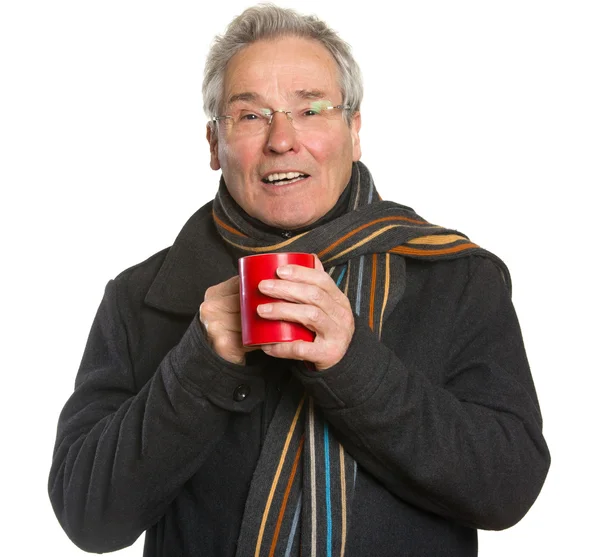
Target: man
x: 408, y: 423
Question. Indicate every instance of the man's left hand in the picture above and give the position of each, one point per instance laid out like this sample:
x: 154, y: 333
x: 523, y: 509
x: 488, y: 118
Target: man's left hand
x: 309, y: 297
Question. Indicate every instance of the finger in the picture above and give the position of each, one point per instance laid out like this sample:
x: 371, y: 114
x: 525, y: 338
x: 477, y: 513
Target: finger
x: 310, y: 316
x: 228, y: 344
x: 299, y: 350
x: 229, y: 303
x: 317, y: 277
x: 318, y: 264
x: 296, y: 350
x: 220, y: 309
x: 229, y: 347
x: 228, y: 325
x: 308, y: 294
x: 212, y: 313
x: 229, y: 287
x: 293, y: 291
x: 221, y: 304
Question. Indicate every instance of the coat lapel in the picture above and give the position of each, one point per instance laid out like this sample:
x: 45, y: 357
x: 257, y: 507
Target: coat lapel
x: 197, y: 260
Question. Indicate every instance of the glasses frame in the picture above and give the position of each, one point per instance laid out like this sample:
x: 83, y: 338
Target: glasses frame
x: 268, y: 113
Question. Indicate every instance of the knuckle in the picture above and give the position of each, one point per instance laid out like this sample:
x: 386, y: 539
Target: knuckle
x: 316, y: 294
x: 203, y: 316
x: 335, y: 349
x: 206, y: 311
x: 345, y: 317
x: 348, y: 316
x: 334, y: 316
x: 297, y: 349
x: 210, y: 292
x: 326, y: 281
x: 221, y: 343
x: 315, y: 314
x: 340, y: 298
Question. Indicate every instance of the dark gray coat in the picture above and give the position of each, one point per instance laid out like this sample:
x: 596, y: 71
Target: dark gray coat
x: 441, y: 415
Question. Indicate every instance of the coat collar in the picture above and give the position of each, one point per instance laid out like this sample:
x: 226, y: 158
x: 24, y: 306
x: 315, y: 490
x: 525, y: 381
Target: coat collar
x: 197, y: 259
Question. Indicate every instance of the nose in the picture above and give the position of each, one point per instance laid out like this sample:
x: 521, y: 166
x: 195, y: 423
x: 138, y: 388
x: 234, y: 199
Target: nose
x: 282, y: 135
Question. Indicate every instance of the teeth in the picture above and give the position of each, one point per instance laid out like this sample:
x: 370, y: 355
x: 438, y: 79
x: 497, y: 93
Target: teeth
x: 283, y: 175
x: 286, y: 182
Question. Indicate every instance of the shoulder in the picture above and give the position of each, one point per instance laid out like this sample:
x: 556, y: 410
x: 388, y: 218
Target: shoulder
x: 447, y: 285
x: 141, y: 275
x: 458, y: 271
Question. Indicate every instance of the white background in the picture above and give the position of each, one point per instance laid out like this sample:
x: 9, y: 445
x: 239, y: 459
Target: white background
x: 483, y: 116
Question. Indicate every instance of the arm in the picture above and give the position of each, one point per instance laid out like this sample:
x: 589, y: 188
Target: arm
x: 467, y: 446
x: 124, y: 450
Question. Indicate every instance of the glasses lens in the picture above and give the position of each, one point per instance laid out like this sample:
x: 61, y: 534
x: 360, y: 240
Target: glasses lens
x: 316, y: 116
x: 249, y: 121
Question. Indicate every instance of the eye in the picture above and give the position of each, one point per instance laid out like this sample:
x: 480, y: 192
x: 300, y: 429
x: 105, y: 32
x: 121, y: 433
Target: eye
x: 249, y: 116
x: 311, y: 112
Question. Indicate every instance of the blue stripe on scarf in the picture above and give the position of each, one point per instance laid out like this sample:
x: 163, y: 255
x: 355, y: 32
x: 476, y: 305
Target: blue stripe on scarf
x: 327, y: 487
x: 339, y: 280
x: 359, y: 289
x: 288, y: 549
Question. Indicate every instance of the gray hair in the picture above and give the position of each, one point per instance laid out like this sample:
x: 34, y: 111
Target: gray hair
x: 267, y: 21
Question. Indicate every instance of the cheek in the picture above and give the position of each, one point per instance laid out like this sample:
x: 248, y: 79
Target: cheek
x: 329, y: 152
x: 321, y: 148
x: 238, y: 164
x: 236, y: 158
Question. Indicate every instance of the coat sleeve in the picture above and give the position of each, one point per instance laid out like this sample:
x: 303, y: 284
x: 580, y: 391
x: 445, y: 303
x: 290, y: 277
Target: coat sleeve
x: 468, y: 447
x: 123, y: 450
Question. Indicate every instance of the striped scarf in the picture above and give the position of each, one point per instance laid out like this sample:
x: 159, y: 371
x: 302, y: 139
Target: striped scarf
x: 301, y: 493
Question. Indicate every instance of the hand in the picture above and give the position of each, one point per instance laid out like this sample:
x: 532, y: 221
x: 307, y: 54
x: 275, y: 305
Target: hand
x: 318, y: 304
x: 220, y: 317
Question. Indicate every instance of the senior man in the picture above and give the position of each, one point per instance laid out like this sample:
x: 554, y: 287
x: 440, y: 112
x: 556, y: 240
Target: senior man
x: 409, y: 422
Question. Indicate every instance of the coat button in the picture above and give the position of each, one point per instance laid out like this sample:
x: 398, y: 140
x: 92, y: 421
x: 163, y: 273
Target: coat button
x: 241, y: 392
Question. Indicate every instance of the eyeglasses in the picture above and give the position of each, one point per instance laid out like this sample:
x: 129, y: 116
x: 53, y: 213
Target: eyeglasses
x: 316, y: 116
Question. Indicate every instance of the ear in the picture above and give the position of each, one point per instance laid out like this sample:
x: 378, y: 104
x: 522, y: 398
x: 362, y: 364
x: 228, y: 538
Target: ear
x: 213, y: 141
x: 354, y: 129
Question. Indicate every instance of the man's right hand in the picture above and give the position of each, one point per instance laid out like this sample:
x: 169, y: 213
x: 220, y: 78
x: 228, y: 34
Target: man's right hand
x: 220, y: 318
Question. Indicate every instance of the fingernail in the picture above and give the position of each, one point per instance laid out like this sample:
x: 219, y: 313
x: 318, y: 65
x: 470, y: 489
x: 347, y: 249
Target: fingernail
x: 266, y: 285
x: 284, y: 271
x: 266, y: 348
x: 265, y: 308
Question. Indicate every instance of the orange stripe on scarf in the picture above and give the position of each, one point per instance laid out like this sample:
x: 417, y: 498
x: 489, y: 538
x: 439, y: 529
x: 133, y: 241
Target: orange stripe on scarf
x: 277, y: 473
x: 362, y: 227
x: 227, y: 227
x: 373, y: 281
x: 385, y: 292
x: 437, y: 240
x: 402, y: 250
x: 286, y: 496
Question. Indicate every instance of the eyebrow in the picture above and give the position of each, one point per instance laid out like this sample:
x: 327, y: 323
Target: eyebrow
x: 248, y: 96
x: 314, y: 94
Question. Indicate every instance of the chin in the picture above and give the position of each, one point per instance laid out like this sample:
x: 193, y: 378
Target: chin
x: 288, y: 220
x: 286, y: 224
x: 294, y: 222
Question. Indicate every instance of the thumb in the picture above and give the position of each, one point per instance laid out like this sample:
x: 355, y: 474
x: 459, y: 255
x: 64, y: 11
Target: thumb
x: 318, y: 264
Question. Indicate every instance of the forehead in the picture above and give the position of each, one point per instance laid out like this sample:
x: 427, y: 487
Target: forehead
x: 277, y: 69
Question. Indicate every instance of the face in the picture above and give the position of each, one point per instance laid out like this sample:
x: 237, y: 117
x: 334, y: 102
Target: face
x: 277, y: 74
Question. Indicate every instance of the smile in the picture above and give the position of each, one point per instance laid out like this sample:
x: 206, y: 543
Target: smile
x: 283, y: 178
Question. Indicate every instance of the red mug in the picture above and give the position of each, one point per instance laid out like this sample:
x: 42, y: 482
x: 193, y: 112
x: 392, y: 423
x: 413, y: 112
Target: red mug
x: 255, y: 329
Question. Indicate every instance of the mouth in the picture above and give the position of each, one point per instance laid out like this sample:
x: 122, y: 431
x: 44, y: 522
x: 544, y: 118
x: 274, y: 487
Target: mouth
x: 283, y: 178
